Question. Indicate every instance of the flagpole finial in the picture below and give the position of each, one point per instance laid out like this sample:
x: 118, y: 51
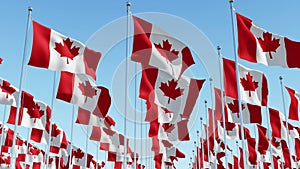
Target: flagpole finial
x: 197, y: 131
x: 218, y: 47
x: 280, y: 78
x: 205, y: 101
x: 201, y: 118
x: 128, y: 4
x: 30, y: 8
x: 236, y: 142
x: 231, y: 1
x: 210, y: 79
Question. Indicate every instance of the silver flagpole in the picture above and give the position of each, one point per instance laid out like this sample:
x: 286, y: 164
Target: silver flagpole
x: 202, y: 147
x: 196, y: 157
x: 223, y: 100
x: 135, y: 118
x: 198, y: 153
x: 97, y: 156
x: 286, y: 117
x: 12, y: 155
x: 71, y: 142
x: 270, y: 137
x: 128, y: 4
x: 87, y: 145
x: 50, y: 130
x: 237, y: 80
x: 141, y: 156
x: 213, y: 119
x: 238, y: 153
x: 207, y: 122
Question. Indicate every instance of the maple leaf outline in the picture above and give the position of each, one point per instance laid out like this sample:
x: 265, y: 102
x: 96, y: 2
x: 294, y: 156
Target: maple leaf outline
x: 35, y: 112
x: 169, y: 89
x: 7, y: 88
x: 234, y: 107
x: 268, y: 44
x: 65, y: 49
x: 87, y: 90
x: 248, y: 83
x: 78, y: 154
x: 165, y: 50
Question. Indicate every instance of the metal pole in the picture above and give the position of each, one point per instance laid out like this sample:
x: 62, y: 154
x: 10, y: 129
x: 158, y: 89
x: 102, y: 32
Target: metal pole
x: 135, y: 118
x: 270, y: 138
x: 87, y: 145
x: 12, y: 156
x: 198, y: 138
x: 207, y: 122
x: 213, y: 119
x: 128, y: 4
x: 223, y: 100
x: 196, y: 157
x: 202, y: 147
x: 71, y: 142
x: 2, y: 129
x: 237, y: 80
x: 285, y: 114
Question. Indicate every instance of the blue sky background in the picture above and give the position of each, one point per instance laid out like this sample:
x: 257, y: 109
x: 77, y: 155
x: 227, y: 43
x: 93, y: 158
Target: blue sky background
x: 80, y: 20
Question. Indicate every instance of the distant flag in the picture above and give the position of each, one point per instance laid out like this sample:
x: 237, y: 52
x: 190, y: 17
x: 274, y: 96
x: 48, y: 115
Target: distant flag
x: 277, y: 121
x: 253, y: 83
x: 1, y: 60
x: 294, y: 104
x: 54, y: 51
x: 257, y: 45
x: 8, y: 93
x: 252, y: 153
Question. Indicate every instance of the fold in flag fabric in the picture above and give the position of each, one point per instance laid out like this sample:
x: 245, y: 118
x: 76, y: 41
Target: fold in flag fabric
x: 54, y: 51
x: 253, y: 83
x: 259, y: 46
x: 294, y: 104
x: 155, y: 47
x: 80, y: 90
x: 277, y: 121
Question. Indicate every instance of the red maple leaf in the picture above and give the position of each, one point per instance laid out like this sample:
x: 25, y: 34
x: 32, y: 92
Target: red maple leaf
x: 7, y: 88
x: 234, y: 107
x: 165, y: 50
x: 268, y: 44
x: 168, y: 128
x: 34, y: 151
x: 249, y: 84
x: 170, y: 89
x: 87, y: 90
x: 66, y: 50
x: 78, y: 154
x: 55, y: 130
x: 1, y: 60
x: 35, y: 112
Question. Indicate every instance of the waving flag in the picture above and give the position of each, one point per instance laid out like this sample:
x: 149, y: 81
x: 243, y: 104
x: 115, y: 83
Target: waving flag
x: 253, y: 84
x: 8, y: 93
x: 79, y: 90
x: 259, y: 46
x: 54, y: 51
x: 294, y: 104
x: 277, y: 121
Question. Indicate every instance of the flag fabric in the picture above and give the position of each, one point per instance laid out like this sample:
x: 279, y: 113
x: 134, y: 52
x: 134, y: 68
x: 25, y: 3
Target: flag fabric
x: 263, y: 142
x: 286, y: 154
x: 251, y: 113
x: 233, y: 131
x: 81, y: 158
x: 252, y: 154
x: 79, y: 90
x: 259, y: 46
x: 294, y: 104
x: 54, y: 51
x: 277, y: 123
x: 58, y: 139
x: 253, y: 83
x: 8, y: 93
x: 155, y: 47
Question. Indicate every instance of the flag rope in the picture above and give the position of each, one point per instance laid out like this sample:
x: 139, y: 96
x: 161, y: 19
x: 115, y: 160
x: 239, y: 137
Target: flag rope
x: 12, y: 162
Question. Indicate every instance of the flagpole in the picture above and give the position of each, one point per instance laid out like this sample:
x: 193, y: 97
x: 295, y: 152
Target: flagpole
x: 196, y: 157
x: 238, y: 153
x: 12, y: 162
x: 222, y: 100
x: 207, y: 122
x: 237, y: 79
x: 135, y: 118
x: 202, y: 148
x: 285, y: 114
x: 128, y: 4
x: 50, y: 129
x: 97, y: 156
x: 141, y: 156
x: 270, y: 138
x: 71, y: 142
x: 198, y: 137
x: 87, y: 145
x: 2, y: 136
x: 213, y: 119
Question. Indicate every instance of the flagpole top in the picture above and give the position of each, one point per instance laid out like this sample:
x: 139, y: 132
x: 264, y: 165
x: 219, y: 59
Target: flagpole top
x: 197, y: 131
x: 218, y: 48
x: 128, y: 4
x: 205, y: 101
x: 30, y: 9
x: 195, y: 142
x: 280, y: 78
x: 231, y: 1
x: 210, y: 79
x: 201, y: 118
x: 236, y: 142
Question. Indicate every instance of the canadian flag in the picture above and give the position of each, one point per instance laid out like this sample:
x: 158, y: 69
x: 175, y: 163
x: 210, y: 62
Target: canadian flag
x: 174, y: 132
x: 58, y: 139
x: 277, y: 121
x: 35, y: 155
x: 8, y: 93
x: 263, y: 142
x: 286, y: 154
x: 156, y: 48
x: 294, y: 104
x: 81, y: 158
x: 252, y: 154
x: 233, y: 131
x: 251, y: 113
x: 259, y: 46
x: 253, y: 84
x: 79, y: 90
x: 54, y: 51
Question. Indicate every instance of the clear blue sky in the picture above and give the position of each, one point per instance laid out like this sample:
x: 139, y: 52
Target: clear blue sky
x: 80, y: 20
